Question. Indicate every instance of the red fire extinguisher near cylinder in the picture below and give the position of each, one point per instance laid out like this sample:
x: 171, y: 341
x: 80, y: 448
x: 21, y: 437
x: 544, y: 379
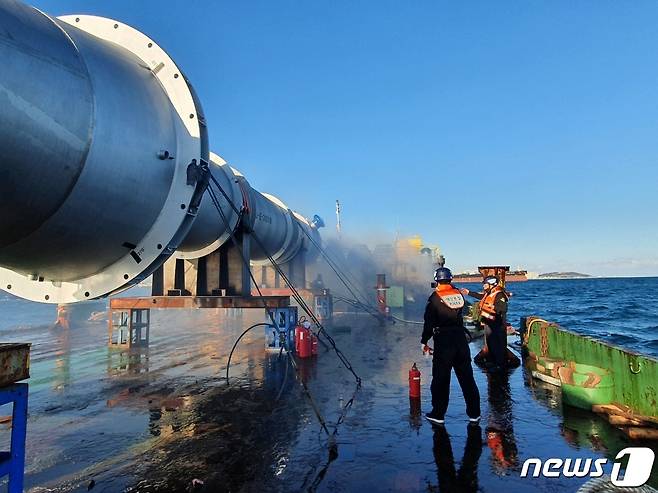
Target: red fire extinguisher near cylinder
x: 314, y: 344
x: 414, y: 382
x: 298, y: 329
x: 305, y: 343
x: 302, y: 326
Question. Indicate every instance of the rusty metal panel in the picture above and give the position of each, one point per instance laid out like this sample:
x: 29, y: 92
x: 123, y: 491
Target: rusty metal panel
x: 14, y: 363
x: 199, y: 302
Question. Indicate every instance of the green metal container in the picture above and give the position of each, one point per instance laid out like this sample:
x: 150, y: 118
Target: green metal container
x: 395, y: 297
x: 627, y: 378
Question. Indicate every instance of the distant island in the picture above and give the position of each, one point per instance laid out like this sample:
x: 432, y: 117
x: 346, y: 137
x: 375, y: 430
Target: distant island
x: 563, y: 275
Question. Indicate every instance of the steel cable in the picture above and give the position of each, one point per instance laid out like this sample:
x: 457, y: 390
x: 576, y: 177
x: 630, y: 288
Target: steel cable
x: 339, y: 272
x: 305, y: 388
x: 277, y: 267
x: 299, y: 300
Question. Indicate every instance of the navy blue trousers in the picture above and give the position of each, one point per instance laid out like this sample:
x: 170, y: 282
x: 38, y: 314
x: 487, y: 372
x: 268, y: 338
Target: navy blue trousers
x: 451, y: 352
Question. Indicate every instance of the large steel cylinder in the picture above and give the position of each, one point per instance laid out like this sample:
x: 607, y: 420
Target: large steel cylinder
x: 277, y: 231
x: 277, y: 228
x: 103, y: 148
x: 98, y: 131
x: 212, y: 228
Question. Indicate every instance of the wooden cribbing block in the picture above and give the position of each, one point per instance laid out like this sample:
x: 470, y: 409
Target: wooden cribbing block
x: 608, y: 409
x: 637, y: 433
x: 615, y: 412
x: 618, y: 420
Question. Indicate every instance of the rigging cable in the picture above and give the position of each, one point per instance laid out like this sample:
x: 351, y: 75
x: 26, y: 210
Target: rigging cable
x: 340, y: 274
x: 297, y: 297
x: 277, y: 267
x: 415, y: 322
x: 359, y: 305
x: 333, y: 447
x: 215, y: 202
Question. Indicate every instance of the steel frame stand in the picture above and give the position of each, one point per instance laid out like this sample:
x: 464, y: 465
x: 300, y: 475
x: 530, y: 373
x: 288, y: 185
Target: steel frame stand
x: 324, y: 305
x: 281, y: 335
x: 12, y: 463
x: 129, y: 327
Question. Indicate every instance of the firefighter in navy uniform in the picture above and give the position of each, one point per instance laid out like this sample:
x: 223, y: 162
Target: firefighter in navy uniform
x: 444, y: 323
x: 493, y: 314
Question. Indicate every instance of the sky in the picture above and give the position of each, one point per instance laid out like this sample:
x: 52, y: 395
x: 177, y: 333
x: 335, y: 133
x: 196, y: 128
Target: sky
x: 519, y: 132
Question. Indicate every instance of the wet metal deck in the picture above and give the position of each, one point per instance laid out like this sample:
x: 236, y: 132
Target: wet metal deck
x: 157, y: 418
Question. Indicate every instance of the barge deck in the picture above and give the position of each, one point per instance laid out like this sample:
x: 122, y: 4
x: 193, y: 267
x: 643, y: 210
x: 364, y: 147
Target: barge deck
x: 162, y: 418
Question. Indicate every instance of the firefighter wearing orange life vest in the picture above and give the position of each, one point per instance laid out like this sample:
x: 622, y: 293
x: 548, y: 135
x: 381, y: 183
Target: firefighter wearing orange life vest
x: 444, y: 323
x: 493, y: 314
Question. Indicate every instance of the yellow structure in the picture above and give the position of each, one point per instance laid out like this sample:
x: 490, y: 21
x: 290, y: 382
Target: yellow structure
x: 414, y: 262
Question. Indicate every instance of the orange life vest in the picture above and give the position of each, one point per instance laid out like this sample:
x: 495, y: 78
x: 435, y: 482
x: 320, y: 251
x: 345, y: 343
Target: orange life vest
x: 487, y: 304
x: 450, y: 296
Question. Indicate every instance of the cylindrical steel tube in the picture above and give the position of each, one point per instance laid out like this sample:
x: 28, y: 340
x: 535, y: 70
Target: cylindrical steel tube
x: 102, y: 141
x: 94, y: 146
x: 276, y: 227
x: 211, y: 229
x: 46, y: 104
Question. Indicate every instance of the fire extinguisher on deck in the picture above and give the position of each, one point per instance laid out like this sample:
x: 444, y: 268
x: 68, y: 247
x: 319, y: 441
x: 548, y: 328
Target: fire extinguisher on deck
x: 414, y: 382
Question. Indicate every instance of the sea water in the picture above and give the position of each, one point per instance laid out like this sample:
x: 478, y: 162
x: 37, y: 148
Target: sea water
x: 621, y: 311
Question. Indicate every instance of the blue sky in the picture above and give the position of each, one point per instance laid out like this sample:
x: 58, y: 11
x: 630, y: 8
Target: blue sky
x: 523, y: 133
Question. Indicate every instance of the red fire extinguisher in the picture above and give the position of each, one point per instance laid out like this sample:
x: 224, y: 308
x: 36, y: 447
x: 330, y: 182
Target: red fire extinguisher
x: 314, y: 344
x: 301, y: 326
x: 305, y: 349
x: 298, y: 329
x: 414, y: 382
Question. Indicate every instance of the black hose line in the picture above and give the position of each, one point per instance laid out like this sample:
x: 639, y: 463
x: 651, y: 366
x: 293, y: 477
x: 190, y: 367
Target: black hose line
x: 279, y: 270
x: 230, y: 355
x: 285, y: 375
x: 296, y: 295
